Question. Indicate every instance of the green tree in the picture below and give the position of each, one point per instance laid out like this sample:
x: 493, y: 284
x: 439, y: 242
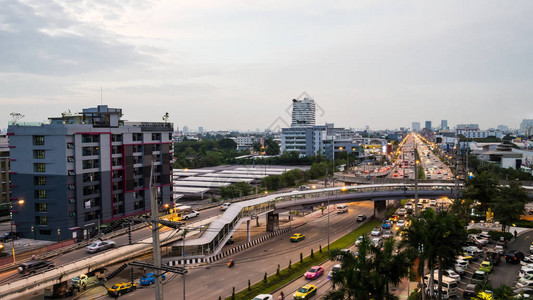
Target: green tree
x: 483, y: 188
x: 509, y: 204
x: 227, y: 144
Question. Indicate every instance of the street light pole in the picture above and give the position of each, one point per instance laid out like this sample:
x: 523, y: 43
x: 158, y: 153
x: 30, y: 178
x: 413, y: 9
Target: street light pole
x: 416, y: 182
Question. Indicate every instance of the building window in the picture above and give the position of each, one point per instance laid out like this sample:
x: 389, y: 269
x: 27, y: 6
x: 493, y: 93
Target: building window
x: 39, y: 167
x: 70, y: 145
x: 137, y: 137
x: 39, y: 180
x: 90, y: 138
x: 90, y: 164
x: 72, y: 200
x: 40, y: 194
x: 170, y: 136
x: 41, y: 220
x: 45, y: 232
x: 88, y: 151
x: 38, y: 140
x: 40, y: 207
x: 116, y: 138
x: 138, y: 205
x: 70, y: 158
x: 156, y: 136
x: 71, y: 213
x: 38, y: 154
x: 71, y: 186
x: 71, y: 173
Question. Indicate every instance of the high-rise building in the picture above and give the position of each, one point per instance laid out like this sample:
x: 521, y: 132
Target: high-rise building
x: 84, y: 170
x: 467, y: 127
x: 444, y: 124
x: 303, y: 113
x: 200, y: 129
x: 4, y: 170
x: 428, y: 125
x: 185, y: 129
x: 415, y: 126
x: 503, y: 128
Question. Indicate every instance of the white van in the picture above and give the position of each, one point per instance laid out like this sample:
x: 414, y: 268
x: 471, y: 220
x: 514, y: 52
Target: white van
x: 342, y: 208
x: 449, y: 284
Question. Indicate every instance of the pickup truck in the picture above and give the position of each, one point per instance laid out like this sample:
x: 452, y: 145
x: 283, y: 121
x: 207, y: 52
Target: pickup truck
x: 85, y: 281
x: 190, y: 215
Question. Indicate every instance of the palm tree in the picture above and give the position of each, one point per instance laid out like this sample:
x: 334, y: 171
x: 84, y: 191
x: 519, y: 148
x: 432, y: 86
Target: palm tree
x: 392, y: 267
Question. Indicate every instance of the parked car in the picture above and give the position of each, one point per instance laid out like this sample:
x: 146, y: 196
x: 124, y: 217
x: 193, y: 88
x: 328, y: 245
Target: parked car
x: 361, y: 218
x: 297, y: 237
x: 449, y: 273
x: 100, y: 246
x: 531, y: 248
x: 305, y: 292
x: 314, y: 272
x: 35, y: 265
x: 514, y: 256
x: 480, y: 277
x: 521, y: 284
x: 121, y: 288
x: 8, y: 236
x: 463, y: 264
x: 359, y: 240
x: 149, y: 278
x: 470, y: 291
x: 376, y: 231
x: 525, y: 271
x: 387, y: 234
x: 486, y: 266
x: 263, y: 297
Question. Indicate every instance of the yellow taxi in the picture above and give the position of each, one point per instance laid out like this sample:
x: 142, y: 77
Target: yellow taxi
x: 305, y: 292
x: 297, y: 237
x: 121, y: 288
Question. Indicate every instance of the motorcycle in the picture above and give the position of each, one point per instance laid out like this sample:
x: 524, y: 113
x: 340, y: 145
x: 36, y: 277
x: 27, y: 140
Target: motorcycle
x: 230, y: 263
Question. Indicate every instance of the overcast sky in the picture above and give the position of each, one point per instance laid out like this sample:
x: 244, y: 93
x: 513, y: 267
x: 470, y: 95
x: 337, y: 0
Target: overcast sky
x: 238, y: 64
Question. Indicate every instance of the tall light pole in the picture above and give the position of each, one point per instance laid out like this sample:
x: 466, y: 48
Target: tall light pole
x: 155, y: 235
x: 20, y: 202
x: 416, y: 180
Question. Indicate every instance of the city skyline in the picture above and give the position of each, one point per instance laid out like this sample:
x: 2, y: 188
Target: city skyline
x: 378, y: 64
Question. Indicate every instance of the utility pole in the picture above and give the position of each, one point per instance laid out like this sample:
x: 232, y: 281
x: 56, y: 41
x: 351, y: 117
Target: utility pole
x: 184, y: 262
x: 416, y: 180
x: 155, y: 236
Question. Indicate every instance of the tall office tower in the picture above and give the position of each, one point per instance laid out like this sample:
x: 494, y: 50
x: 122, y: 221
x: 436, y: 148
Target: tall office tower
x: 84, y: 170
x: 303, y: 113
x: 415, y: 126
x: 443, y: 124
x: 428, y: 125
x: 526, y: 123
x: 200, y: 129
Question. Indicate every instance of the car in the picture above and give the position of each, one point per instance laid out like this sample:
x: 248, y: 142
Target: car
x: 499, y: 249
x: 470, y: 291
x: 99, y: 246
x: 8, y: 236
x: 35, y: 265
x: 524, y: 284
x: 263, y: 297
x: 361, y: 218
x: 432, y: 202
x: 449, y: 273
x: 525, y: 290
x: 526, y: 277
x: 486, y: 266
x: 387, y: 224
x: 378, y: 242
x: 149, y: 278
x: 480, y: 240
x: 463, y: 264
x: 376, y: 231
x: 480, y: 277
x: 525, y: 271
x: 121, y: 288
x: 400, y: 223
x: 297, y: 237
x: 467, y: 256
x: 401, y: 212
x: 334, y: 269
x: 225, y: 206
x: 314, y: 272
x: 387, y: 234
x: 305, y: 292
x: 459, y: 270
x: 359, y: 240
x: 514, y: 256
x: 408, y: 205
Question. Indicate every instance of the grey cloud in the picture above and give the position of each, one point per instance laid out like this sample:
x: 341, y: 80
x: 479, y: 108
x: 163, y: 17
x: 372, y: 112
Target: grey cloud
x: 26, y: 48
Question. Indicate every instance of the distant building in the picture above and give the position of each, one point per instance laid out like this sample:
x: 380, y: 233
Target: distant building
x: 503, y: 128
x: 428, y: 126
x: 444, y: 124
x: 185, y: 130
x: 480, y: 134
x: 244, y: 142
x: 303, y: 113
x: 200, y: 130
x: 467, y: 127
x: 4, y: 170
x: 84, y: 170
x: 526, y: 123
x: 415, y: 127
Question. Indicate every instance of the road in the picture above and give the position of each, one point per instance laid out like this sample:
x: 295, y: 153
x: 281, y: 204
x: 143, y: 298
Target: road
x: 122, y: 240
x: 216, y: 279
